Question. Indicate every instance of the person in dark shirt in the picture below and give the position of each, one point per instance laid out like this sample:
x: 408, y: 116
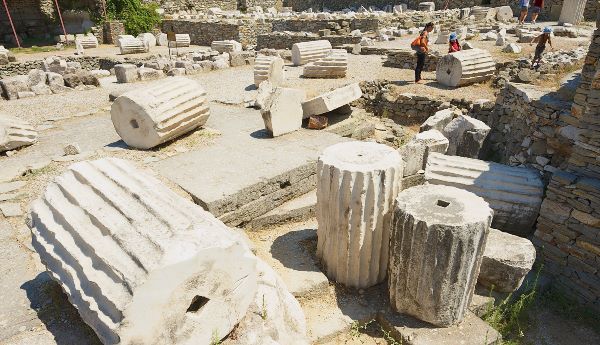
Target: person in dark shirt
x: 454, y: 45
x: 421, y: 46
x: 541, y: 41
x: 538, y: 5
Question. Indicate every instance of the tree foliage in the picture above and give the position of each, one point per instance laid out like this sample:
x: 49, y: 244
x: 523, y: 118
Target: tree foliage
x: 137, y: 17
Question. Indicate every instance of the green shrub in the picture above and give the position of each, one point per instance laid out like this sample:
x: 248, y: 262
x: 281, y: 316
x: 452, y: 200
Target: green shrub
x: 136, y: 16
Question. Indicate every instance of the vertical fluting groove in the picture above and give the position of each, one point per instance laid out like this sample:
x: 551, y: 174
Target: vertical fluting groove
x: 353, y: 206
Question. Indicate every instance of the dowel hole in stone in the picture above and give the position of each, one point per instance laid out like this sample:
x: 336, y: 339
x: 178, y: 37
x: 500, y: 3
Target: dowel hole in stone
x: 448, y: 71
x: 442, y: 203
x: 134, y: 124
x: 197, y: 303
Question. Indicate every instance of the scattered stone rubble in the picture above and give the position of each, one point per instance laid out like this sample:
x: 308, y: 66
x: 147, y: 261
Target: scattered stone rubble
x: 15, y: 133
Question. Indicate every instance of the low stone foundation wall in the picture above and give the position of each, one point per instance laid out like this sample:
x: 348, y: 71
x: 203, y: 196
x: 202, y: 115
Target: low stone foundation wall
x: 530, y: 127
x: 407, y: 59
x: 567, y: 235
x: 204, y: 32
x: 277, y: 40
x: 314, y: 25
x: 87, y: 62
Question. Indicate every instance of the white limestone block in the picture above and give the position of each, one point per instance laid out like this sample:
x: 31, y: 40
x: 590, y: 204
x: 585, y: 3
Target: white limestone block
x: 334, y: 65
x: 438, y: 121
x: 159, y: 112
x: 181, y: 40
x: 87, y: 41
x: 514, y: 193
x: 504, y: 13
x: 414, y: 153
x: 227, y: 46
x: 356, y: 186
x: 427, y: 6
x: 15, y: 133
x: 465, y: 67
x: 123, y: 37
x: 282, y: 112
x: 126, y: 73
x: 466, y: 136
x: 305, y: 52
x: 132, y: 46
x: 512, y: 48
x: 572, y: 12
x: 506, y: 261
x: 148, y: 39
x: 161, y: 40
x: 268, y: 68
x: 437, y: 242
x: 141, y: 264
x: 331, y: 100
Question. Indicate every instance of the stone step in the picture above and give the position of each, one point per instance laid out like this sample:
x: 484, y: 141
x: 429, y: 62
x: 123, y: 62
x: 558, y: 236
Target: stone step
x: 245, y: 173
x: 300, y: 208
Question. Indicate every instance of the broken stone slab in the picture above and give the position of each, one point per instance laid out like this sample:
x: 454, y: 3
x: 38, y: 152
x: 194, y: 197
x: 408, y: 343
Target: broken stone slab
x: 282, y: 112
x: 465, y: 135
x: 11, y: 86
x: 331, y: 100
x: 268, y: 68
x: 265, y: 90
x: 226, y: 46
x: 439, y: 120
x: 142, y: 247
x: 448, y: 266
x: 514, y: 193
x: 410, y: 331
x: 512, y: 48
x: 305, y: 52
x: 162, y: 111
x: 353, y: 232
x: 334, y: 65
x: 414, y: 153
x: 297, y: 209
x: 506, y: 261
x: 274, y: 316
x: 465, y: 67
x: 15, y: 133
x: 145, y: 74
x: 181, y: 41
x: 11, y: 209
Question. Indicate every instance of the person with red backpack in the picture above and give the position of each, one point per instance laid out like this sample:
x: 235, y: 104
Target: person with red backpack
x: 453, y: 44
x: 421, y: 46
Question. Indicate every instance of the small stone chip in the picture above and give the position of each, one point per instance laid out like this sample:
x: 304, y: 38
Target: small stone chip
x: 317, y: 122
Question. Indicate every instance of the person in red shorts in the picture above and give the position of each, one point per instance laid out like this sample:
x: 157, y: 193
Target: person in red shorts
x: 538, y: 5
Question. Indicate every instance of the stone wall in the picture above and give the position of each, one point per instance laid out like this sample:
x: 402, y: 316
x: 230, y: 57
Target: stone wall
x: 407, y: 59
x: 251, y: 29
x: 32, y: 18
x: 87, y: 62
x: 568, y: 229
x: 406, y: 108
x: 204, y: 32
x: 531, y: 127
x: 280, y: 40
x: 244, y: 4
x: 314, y: 25
x: 111, y: 31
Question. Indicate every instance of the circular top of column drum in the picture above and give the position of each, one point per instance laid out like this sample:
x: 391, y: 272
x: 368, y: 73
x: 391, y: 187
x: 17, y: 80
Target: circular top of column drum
x: 361, y: 156
x: 443, y: 205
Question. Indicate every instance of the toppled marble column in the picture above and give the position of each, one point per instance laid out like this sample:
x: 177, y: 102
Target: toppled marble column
x: 465, y: 67
x: 268, y: 68
x: 226, y: 46
x: 426, y: 6
x: 87, y: 41
x: 305, y: 52
x: 437, y: 243
x: 506, y: 261
x: 504, y: 13
x: 274, y: 317
x: 415, y: 152
x: 148, y: 39
x: 334, y: 65
x: 282, y: 111
x: 162, y: 111
x: 514, y: 193
x: 332, y: 100
x: 132, y: 46
x: 123, y: 246
x: 181, y: 40
x: 356, y: 186
x: 123, y: 37
x: 572, y: 12
x: 466, y: 136
x: 15, y: 133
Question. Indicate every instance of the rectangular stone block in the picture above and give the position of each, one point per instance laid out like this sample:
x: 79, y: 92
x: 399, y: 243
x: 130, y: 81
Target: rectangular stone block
x: 331, y: 100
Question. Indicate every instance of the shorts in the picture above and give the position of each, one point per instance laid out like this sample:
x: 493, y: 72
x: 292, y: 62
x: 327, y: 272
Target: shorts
x: 536, y: 9
x: 539, y: 50
x: 524, y: 8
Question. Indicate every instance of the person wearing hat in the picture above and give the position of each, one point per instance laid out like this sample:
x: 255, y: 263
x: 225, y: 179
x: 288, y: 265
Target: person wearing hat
x: 541, y: 41
x: 454, y: 45
x: 421, y: 46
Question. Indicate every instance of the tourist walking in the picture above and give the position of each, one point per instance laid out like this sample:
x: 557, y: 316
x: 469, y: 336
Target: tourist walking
x: 538, y: 5
x: 524, y: 4
x: 454, y: 45
x: 421, y: 46
x: 541, y: 41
